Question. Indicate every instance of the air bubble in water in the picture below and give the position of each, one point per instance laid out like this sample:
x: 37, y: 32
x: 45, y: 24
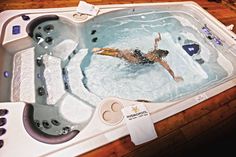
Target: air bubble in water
x: 143, y: 17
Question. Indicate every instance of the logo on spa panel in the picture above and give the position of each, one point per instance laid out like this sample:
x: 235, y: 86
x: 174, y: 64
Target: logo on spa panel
x: 135, y: 109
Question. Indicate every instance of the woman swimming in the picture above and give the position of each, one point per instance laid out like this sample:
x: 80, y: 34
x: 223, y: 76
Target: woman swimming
x: 136, y: 56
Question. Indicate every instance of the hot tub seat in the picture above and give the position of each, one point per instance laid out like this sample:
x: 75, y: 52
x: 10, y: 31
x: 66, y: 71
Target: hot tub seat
x: 35, y: 133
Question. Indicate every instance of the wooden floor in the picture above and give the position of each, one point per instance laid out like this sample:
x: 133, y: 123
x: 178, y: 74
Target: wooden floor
x: 207, y: 128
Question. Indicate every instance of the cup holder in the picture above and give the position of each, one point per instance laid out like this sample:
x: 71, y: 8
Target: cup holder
x: 37, y: 134
x: 110, y: 112
x: 80, y: 17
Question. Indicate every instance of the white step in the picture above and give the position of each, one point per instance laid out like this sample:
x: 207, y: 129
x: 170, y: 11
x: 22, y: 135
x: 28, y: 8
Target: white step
x: 23, y: 84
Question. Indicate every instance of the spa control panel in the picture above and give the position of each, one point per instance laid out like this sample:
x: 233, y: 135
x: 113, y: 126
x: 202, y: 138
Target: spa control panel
x: 211, y: 36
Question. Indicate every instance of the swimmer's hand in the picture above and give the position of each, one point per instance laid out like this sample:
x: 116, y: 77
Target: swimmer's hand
x: 178, y: 78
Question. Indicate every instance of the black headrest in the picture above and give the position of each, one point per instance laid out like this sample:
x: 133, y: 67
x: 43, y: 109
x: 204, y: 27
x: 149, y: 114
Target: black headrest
x: 35, y: 22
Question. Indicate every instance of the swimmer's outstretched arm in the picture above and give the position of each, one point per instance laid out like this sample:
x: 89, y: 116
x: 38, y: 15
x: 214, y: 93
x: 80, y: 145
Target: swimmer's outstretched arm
x: 157, y: 39
x: 167, y: 67
x: 152, y: 57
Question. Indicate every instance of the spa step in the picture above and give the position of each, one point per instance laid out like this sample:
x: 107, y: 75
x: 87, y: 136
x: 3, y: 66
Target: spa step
x: 76, y: 79
x: 64, y: 49
x: 53, y: 78
x: 23, y: 85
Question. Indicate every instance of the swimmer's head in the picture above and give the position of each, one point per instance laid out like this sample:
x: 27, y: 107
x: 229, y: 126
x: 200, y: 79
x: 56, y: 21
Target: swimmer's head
x: 161, y: 53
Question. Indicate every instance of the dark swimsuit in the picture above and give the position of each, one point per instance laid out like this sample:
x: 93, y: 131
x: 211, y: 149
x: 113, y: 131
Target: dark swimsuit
x: 140, y: 55
x: 143, y: 59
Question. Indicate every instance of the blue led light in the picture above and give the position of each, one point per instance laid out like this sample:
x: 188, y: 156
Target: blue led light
x: 16, y: 29
x: 206, y: 30
x: 191, y: 49
x: 38, y: 76
x: 211, y: 36
x: 218, y: 41
x: 6, y: 74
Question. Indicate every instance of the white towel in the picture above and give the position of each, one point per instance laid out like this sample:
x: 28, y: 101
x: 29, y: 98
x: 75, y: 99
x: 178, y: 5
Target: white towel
x: 139, y: 124
x: 86, y: 8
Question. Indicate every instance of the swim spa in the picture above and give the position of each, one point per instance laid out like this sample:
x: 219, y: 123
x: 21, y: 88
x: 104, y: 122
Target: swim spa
x: 64, y: 99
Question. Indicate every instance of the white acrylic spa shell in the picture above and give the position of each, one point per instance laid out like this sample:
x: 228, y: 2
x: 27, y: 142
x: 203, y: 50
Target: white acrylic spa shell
x: 98, y: 132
